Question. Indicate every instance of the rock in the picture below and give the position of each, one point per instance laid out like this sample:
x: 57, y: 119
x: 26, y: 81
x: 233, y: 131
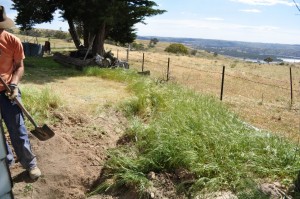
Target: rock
x: 151, y: 175
x: 151, y: 195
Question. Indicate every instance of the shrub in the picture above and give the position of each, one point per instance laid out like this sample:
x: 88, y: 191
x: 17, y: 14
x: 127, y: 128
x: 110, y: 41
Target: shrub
x: 177, y: 48
x: 194, y: 52
x: 137, y: 46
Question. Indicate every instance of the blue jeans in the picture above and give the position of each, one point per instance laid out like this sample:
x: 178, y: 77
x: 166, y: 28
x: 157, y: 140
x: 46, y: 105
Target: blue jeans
x: 14, y: 121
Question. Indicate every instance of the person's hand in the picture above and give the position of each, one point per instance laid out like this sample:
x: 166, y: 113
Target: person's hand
x: 14, y: 91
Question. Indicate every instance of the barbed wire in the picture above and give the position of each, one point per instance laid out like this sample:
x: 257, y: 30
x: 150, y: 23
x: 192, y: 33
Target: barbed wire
x: 263, y: 77
x: 160, y: 61
x: 192, y: 68
x: 238, y: 77
x: 266, y: 84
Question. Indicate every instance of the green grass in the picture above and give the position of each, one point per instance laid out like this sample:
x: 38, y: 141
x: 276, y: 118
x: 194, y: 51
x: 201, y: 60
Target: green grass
x: 42, y: 70
x: 111, y: 74
x: 40, y: 103
x: 173, y: 128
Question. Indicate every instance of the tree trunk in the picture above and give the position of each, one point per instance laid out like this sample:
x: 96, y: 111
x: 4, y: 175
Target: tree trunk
x: 86, y: 34
x: 98, y: 45
x: 73, y: 33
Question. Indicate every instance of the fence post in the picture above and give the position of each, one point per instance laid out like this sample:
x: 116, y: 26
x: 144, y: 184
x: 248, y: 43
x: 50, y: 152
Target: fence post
x: 143, y: 62
x: 127, y: 56
x: 128, y: 52
x: 168, y: 69
x: 222, y: 84
x: 291, y: 82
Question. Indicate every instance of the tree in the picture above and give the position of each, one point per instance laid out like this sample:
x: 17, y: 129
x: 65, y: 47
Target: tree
x: 153, y: 42
x: 268, y: 59
x: 296, y: 5
x: 177, y: 48
x: 99, y: 19
x: 137, y: 46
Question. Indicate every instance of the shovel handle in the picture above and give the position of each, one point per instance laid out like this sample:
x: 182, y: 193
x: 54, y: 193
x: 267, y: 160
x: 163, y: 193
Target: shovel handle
x: 19, y: 104
x: 26, y: 112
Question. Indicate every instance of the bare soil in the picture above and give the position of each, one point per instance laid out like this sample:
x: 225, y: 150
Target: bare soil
x: 72, y: 160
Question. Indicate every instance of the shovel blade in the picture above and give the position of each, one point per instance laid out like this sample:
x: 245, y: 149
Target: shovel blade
x: 43, y: 133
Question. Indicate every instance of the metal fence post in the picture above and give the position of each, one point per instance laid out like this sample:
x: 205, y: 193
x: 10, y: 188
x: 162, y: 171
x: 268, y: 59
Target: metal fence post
x: 143, y: 62
x: 291, y: 82
x: 222, y: 84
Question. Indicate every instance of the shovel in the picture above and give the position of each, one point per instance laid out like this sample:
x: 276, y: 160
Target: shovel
x: 42, y: 133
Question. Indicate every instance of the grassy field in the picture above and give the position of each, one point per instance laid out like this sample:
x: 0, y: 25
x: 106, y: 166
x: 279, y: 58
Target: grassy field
x: 258, y: 93
x: 177, y: 128
x: 173, y: 129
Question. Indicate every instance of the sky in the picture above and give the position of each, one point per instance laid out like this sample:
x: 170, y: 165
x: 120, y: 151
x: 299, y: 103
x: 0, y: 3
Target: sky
x: 266, y: 21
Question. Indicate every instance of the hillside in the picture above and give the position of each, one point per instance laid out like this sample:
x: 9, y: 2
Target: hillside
x: 248, y: 50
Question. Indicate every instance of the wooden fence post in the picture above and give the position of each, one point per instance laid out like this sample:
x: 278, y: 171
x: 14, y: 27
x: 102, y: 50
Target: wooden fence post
x: 127, y: 56
x: 168, y: 69
x: 222, y: 84
x: 128, y: 49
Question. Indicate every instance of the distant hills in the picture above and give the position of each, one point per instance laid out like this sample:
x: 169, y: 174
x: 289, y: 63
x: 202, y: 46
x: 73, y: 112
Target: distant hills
x: 244, y: 50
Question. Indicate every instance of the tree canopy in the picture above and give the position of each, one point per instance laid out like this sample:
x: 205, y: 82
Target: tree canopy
x: 99, y: 19
x: 268, y: 59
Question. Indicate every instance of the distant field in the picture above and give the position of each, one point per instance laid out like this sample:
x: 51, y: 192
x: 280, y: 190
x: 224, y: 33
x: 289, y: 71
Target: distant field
x: 259, y: 93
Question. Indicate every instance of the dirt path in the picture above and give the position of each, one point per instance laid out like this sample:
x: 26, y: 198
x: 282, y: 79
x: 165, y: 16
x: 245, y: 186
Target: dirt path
x: 72, y: 160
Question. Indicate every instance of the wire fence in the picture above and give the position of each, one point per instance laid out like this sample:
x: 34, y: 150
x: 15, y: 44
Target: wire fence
x: 263, y: 90
x: 267, y: 95
x: 158, y: 66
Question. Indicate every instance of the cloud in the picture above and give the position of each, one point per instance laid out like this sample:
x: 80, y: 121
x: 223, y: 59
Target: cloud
x: 265, y: 28
x: 251, y: 10
x: 265, y: 2
x: 214, y: 19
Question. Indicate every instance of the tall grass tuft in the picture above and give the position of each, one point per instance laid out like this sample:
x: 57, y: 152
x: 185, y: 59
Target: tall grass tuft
x: 173, y: 128
x: 40, y: 102
x: 112, y: 74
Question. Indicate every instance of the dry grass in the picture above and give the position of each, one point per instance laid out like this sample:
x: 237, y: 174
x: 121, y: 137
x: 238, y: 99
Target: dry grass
x: 86, y: 94
x: 258, y: 93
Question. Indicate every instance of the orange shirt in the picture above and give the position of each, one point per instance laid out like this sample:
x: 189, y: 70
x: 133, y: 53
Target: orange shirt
x: 11, y: 50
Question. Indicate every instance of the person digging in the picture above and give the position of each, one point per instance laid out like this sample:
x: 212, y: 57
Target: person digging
x: 12, y: 70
